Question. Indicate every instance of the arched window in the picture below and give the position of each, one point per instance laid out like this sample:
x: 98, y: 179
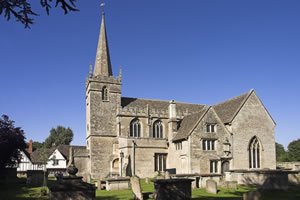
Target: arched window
x: 135, y: 128
x: 254, y: 153
x: 115, y: 163
x: 157, y: 129
x: 104, y: 94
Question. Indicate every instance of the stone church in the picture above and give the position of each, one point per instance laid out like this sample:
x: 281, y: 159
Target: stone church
x: 130, y: 136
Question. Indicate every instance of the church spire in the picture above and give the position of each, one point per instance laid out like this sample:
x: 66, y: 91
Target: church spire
x: 102, y: 62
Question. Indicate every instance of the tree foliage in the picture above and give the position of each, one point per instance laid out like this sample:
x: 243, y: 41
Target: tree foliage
x: 294, y: 150
x: 58, y: 136
x: 280, y: 152
x: 21, y: 9
x: 12, y: 140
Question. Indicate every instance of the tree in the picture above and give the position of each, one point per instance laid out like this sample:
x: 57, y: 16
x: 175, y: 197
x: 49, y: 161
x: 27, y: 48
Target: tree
x: 279, y: 152
x: 58, y: 136
x: 21, y: 9
x: 294, y: 150
x: 35, y: 145
x: 12, y: 140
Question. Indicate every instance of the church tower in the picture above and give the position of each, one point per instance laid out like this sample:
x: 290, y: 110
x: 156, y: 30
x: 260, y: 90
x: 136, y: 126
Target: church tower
x: 103, y: 97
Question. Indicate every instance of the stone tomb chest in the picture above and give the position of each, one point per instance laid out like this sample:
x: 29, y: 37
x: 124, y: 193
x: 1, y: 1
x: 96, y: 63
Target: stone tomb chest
x: 118, y: 183
x: 175, y: 189
x: 72, y: 187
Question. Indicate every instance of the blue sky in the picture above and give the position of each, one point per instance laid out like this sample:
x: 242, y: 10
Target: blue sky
x: 198, y: 51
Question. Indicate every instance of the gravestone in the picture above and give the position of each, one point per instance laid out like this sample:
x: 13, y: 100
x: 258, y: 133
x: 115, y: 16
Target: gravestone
x: 173, y: 189
x: 167, y: 175
x: 253, y: 195
x: 147, y: 180
x: 36, y: 178
x: 136, y: 188
x: 117, y: 183
x: 232, y: 185
x: 211, y: 186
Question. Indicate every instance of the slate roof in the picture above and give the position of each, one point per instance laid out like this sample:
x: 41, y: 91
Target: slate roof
x: 188, y: 123
x: 158, y: 104
x: 227, y: 110
x: 37, y: 155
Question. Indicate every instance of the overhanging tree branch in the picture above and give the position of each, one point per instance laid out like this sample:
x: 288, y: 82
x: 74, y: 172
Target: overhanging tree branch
x: 21, y: 9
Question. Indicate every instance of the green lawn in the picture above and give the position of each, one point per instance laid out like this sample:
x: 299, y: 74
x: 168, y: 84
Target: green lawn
x: 17, y: 190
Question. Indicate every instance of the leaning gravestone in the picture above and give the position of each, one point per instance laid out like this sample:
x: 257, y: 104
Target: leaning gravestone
x: 211, y: 186
x: 136, y: 188
x: 253, y: 195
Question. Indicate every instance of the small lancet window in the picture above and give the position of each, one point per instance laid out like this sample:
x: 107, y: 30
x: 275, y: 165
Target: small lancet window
x: 135, y: 128
x: 254, y: 153
x: 104, y: 94
x: 157, y: 129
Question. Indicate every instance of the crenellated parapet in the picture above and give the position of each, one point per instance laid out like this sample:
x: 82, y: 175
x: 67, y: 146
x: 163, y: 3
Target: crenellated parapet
x: 136, y: 111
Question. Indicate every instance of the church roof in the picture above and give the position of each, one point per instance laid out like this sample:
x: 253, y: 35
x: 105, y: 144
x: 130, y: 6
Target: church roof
x: 227, y: 110
x: 158, y: 104
x: 188, y: 123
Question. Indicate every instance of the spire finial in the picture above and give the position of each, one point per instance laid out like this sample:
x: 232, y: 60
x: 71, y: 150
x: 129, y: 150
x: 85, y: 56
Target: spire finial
x: 102, y: 6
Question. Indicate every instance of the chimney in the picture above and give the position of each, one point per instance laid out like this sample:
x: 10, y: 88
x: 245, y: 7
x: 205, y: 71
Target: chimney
x: 30, y: 146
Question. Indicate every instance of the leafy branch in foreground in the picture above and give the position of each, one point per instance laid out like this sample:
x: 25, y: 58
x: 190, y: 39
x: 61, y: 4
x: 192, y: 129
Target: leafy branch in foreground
x: 21, y: 9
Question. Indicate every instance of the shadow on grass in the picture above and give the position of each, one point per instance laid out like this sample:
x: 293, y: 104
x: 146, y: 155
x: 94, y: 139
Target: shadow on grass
x: 17, y: 189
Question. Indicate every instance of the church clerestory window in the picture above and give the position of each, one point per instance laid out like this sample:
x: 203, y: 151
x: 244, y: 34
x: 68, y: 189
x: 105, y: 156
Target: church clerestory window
x: 254, y: 153
x: 135, y: 128
x: 157, y: 129
x: 104, y: 94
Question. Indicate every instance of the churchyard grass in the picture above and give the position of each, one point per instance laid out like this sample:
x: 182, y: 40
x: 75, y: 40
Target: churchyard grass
x: 17, y: 190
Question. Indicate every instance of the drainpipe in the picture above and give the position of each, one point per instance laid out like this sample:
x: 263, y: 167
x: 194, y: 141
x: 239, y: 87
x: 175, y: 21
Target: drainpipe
x: 133, y: 158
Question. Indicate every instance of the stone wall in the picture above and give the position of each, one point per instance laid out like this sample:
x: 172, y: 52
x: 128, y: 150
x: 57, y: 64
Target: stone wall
x: 102, y: 113
x: 101, y: 155
x: 81, y: 161
x: 268, y: 179
x: 253, y: 120
x: 142, y: 158
x: 179, y: 158
x: 289, y: 165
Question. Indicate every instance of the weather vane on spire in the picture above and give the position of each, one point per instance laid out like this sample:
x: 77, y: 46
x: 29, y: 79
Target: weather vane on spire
x: 102, y: 5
